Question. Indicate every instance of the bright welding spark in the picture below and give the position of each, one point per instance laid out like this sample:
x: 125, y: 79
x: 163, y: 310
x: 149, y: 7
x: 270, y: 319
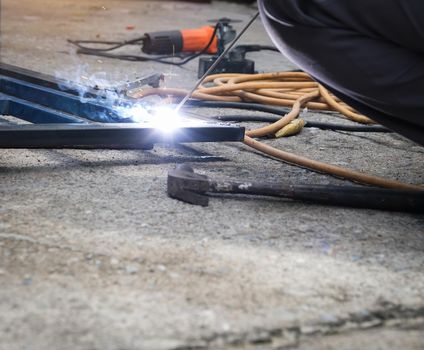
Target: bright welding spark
x: 162, y: 118
x: 166, y: 119
x: 136, y: 113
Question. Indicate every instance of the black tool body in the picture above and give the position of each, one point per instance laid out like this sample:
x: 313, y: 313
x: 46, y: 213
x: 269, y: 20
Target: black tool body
x: 346, y: 196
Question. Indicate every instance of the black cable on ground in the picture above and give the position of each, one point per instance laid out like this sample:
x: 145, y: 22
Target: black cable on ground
x: 116, y: 44
x: 309, y: 124
x: 238, y: 105
x: 138, y: 58
x: 255, y: 48
x: 279, y: 112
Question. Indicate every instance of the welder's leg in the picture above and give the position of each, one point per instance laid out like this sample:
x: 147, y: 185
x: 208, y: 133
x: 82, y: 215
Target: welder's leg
x: 368, y: 53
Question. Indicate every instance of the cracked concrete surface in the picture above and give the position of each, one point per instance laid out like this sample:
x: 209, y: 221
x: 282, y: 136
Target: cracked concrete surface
x: 93, y: 255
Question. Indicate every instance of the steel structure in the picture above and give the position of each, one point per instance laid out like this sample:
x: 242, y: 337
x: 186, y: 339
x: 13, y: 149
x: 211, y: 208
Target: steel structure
x: 59, y: 117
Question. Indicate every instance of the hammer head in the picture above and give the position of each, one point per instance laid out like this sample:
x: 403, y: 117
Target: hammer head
x: 187, y: 186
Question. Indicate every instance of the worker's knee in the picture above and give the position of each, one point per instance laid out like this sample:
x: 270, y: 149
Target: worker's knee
x: 287, y: 25
x: 274, y: 17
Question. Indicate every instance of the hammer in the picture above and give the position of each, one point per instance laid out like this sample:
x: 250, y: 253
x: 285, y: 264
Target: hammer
x: 187, y: 186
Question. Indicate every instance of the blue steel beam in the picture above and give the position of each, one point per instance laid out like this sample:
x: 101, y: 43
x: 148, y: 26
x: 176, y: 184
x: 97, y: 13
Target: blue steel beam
x: 57, y: 100
x: 34, y: 113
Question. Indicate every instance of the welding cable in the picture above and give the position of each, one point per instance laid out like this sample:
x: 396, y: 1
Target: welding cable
x: 288, y: 89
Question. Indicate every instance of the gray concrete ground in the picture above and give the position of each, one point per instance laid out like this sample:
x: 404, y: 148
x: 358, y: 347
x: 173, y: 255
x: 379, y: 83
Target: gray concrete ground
x: 93, y: 255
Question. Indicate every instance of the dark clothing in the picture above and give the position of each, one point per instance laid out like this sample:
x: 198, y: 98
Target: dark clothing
x: 369, y: 53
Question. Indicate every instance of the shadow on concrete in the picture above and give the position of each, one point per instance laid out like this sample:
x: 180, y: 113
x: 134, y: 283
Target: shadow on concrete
x: 61, y: 161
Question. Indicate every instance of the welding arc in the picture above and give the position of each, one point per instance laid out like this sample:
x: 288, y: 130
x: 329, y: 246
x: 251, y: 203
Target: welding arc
x: 288, y: 89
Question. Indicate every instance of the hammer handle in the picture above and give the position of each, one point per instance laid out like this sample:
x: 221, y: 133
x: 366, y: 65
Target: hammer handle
x: 347, y: 196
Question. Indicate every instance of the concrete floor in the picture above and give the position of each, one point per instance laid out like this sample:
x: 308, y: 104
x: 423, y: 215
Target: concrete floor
x: 93, y: 255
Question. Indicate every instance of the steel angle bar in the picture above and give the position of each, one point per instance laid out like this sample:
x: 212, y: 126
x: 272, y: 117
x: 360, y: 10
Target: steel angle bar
x: 34, y: 113
x: 52, y: 82
x: 110, y: 136
x: 56, y: 100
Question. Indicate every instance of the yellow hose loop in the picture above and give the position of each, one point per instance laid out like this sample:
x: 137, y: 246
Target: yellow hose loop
x: 279, y: 94
x: 275, y: 76
x: 256, y: 85
x: 292, y: 98
x: 219, y: 81
x: 139, y: 94
x: 227, y: 76
x: 346, y: 112
x: 293, y: 128
x: 294, y: 113
x: 248, y: 96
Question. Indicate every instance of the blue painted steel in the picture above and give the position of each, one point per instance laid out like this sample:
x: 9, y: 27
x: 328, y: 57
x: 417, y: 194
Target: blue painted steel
x: 65, y: 120
x: 25, y: 95
x: 34, y: 113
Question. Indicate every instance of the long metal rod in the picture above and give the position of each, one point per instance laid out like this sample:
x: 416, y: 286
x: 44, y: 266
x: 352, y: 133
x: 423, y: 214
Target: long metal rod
x: 346, y: 196
x: 218, y: 60
x: 109, y: 135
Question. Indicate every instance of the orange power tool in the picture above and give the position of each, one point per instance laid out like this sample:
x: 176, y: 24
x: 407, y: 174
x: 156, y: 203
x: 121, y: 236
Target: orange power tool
x: 210, y: 39
x: 207, y: 39
x: 186, y: 40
